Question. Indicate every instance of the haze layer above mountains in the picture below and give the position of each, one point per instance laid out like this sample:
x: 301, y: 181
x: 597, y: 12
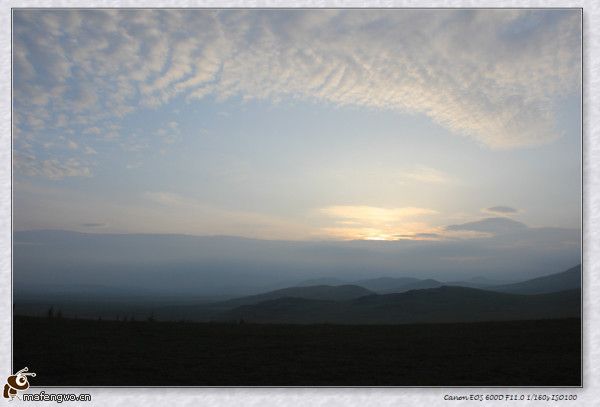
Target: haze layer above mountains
x: 226, y: 267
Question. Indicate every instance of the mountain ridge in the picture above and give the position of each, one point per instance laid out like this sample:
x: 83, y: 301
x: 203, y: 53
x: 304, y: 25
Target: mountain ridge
x: 443, y: 304
x: 568, y: 279
x: 317, y: 292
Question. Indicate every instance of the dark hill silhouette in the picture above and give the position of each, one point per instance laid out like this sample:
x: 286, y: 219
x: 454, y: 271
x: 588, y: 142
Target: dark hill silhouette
x: 566, y: 280
x: 417, y: 285
x: 486, y: 281
x: 318, y: 292
x: 478, y: 282
x: 468, y: 284
x: 383, y: 284
x: 443, y: 304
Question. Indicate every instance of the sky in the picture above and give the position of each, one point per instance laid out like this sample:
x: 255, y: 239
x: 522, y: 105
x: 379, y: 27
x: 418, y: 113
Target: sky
x: 311, y: 125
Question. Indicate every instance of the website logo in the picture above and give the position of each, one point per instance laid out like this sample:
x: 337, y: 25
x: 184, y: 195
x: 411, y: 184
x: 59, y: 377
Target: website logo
x: 16, y: 383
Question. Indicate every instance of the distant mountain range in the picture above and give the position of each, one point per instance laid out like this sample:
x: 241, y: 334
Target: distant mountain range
x: 382, y: 284
x: 443, y: 304
x: 412, y: 300
x: 329, y: 299
x: 387, y: 285
x: 417, y: 285
x: 318, y: 292
x: 566, y: 280
x: 570, y: 279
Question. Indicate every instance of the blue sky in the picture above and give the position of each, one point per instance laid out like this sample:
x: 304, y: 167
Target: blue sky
x: 297, y: 124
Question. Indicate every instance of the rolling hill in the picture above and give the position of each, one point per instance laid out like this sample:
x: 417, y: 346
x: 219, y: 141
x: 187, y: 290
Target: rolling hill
x: 318, y: 292
x: 417, y: 285
x: 382, y: 284
x: 443, y: 304
x: 566, y: 280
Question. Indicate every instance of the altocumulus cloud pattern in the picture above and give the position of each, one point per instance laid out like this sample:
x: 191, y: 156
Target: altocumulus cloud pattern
x: 495, y: 77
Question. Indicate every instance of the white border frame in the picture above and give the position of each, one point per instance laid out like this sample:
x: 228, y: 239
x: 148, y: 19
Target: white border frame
x: 588, y: 395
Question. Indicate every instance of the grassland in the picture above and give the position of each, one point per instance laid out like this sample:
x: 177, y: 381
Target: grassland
x: 67, y: 352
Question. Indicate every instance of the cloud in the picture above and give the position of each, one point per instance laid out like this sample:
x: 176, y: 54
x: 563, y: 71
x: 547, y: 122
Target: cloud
x: 169, y: 133
x: 165, y: 198
x: 490, y: 225
x: 133, y: 165
x: 420, y: 236
x: 89, y: 151
x: 53, y: 169
x: 425, y: 175
x: 491, y: 75
x: 501, y: 210
x: 373, y: 213
x: 93, y: 130
x: 427, y: 235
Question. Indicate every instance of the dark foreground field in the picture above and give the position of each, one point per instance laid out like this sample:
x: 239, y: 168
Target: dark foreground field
x: 108, y: 353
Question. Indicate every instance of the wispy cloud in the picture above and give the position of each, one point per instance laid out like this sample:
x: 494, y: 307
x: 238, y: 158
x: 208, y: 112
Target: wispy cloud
x: 169, y: 133
x: 490, y: 225
x: 374, y: 214
x: 501, y: 210
x: 421, y: 236
x: 89, y: 151
x: 425, y: 175
x: 491, y: 75
x: 166, y: 198
x: 53, y: 169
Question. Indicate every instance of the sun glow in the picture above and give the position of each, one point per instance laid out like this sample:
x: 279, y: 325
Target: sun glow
x: 375, y: 223
x: 386, y: 234
x: 380, y: 237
